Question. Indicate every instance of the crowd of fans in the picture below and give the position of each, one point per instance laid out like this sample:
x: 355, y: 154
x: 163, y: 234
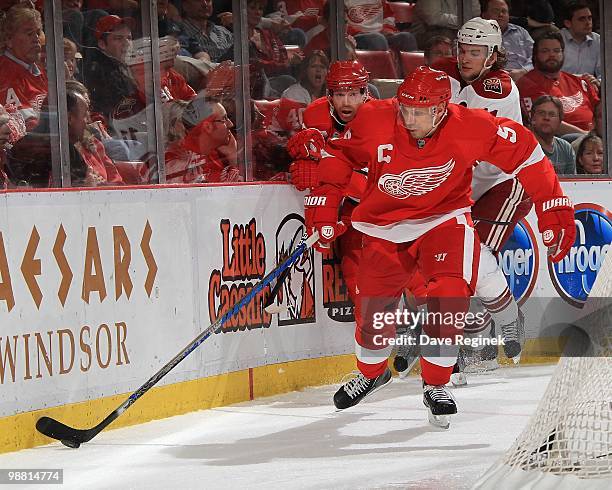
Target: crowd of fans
x: 553, y: 55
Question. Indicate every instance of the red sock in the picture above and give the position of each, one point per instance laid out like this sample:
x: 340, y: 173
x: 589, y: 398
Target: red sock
x: 432, y: 374
x: 371, y: 371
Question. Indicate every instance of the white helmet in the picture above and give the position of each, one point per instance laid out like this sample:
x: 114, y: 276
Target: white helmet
x: 481, y: 32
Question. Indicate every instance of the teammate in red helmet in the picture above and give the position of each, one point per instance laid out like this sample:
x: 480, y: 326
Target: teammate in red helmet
x: 415, y: 215
x: 326, y: 117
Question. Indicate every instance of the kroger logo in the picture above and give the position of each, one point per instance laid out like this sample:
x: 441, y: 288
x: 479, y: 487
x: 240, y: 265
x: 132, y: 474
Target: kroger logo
x: 519, y: 261
x: 575, y: 275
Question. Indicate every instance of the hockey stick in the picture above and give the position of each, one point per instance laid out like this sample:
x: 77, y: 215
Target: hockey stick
x: 269, y: 305
x: 75, y: 437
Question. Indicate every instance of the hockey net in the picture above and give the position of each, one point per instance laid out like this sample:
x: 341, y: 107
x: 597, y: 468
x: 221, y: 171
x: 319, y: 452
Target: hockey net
x: 568, y: 441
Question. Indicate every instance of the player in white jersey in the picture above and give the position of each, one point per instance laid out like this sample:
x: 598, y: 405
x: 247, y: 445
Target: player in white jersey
x: 500, y: 202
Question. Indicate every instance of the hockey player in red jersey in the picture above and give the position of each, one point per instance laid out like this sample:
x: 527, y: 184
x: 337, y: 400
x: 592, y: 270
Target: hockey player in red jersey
x: 500, y: 200
x: 415, y: 214
x: 326, y: 117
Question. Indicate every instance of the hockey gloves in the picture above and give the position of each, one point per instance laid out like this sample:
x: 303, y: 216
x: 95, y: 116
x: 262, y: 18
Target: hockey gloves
x: 556, y: 223
x: 321, y: 214
x: 304, y: 174
x: 306, y: 144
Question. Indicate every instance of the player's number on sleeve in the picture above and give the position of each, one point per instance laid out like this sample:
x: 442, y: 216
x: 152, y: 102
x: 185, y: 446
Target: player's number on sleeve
x: 507, y: 133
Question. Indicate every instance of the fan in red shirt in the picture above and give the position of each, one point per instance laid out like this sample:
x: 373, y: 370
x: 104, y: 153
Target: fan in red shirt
x: 23, y: 83
x: 415, y: 214
x: 201, y: 155
x: 578, y: 96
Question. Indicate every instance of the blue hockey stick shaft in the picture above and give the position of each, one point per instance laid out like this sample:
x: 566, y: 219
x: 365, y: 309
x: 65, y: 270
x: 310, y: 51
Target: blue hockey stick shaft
x: 75, y: 437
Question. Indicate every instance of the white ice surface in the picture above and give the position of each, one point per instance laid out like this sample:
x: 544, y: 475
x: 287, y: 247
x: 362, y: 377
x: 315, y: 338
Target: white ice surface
x: 297, y: 440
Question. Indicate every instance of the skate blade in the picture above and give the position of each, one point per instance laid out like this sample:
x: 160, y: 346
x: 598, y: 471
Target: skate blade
x: 439, y: 421
x: 459, y: 379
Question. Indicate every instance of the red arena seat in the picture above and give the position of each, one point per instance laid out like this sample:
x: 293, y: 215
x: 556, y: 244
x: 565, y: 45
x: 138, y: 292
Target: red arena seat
x: 380, y: 64
x: 409, y: 60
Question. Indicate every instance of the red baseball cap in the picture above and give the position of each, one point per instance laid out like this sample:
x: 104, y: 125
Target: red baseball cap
x: 109, y: 23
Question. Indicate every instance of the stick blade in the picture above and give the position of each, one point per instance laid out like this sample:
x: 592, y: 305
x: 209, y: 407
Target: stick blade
x: 56, y: 430
x: 275, y: 309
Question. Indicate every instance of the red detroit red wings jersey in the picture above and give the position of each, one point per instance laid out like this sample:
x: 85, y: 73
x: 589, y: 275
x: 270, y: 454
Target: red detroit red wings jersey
x: 578, y: 97
x: 369, y: 16
x: 410, y: 189
x: 317, y: 115
x: 281, y: 115
x: 22, y: 91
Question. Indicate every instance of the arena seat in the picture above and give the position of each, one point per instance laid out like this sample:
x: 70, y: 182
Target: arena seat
x: 409, y: 60
x: 380, y: 64
x: 403, y: 12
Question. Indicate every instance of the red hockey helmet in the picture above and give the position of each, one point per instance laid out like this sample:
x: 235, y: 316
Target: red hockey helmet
x: 424, y: 87
x: 347, y: 75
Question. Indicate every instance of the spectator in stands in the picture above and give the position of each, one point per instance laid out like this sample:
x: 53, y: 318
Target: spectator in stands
x: 311, y: 79
x: 597, y: 127
x: 582, y: 45
x: 318, y: 36
x: 536, y: 16
x: 436, y: 48
x: 196, y: 156
x: 200, y: 36
x: 578, y: 97
x: 372, y: 24
x: 23, y: 81
x: 166, y: 25
x: 438, y: 18
x: 515, y: 39
x: 99, y: 168
x: 546, y: 117
x: 105, y: 73
x: 267, y: 53
x: 589, y: 158
x: 71, y: 55
x: 172, y: 83
x: 79, y: 24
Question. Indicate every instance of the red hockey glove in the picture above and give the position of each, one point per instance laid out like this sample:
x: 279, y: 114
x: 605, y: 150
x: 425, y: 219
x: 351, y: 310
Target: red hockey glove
x: 307, y: 143
x: 321, y: 214
x: 304, y: 174
x: 556, y: 223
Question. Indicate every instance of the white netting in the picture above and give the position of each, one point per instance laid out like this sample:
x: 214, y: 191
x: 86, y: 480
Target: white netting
x: 568, y: 442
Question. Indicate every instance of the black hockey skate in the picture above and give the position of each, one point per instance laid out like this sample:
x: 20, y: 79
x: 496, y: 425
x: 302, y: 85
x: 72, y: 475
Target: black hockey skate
x: 440, y: 404
x: 357, y: 388
x: 514, y: 337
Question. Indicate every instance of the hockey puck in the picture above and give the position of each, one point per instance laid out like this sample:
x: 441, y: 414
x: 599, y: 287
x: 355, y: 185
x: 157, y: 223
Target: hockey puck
x: 400, y: 364
x: 72, y: 444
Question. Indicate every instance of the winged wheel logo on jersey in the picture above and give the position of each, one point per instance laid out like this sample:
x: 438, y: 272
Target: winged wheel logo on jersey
x: 360, y: 13
x: 415, y: 182
x: 572, y: 102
